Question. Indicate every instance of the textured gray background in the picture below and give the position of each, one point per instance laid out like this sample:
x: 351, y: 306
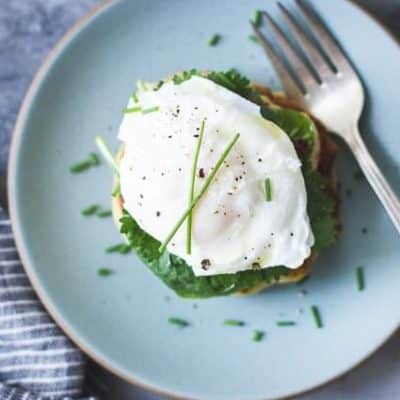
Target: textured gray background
x: 28, y: 30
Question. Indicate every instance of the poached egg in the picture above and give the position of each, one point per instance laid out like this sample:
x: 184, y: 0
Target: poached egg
x: 234, y: 227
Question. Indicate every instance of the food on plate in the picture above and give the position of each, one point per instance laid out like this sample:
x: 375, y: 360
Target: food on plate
x: 222, y: 186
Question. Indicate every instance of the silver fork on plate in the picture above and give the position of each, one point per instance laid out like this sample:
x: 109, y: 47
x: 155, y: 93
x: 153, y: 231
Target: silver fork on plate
x: 330, y: 90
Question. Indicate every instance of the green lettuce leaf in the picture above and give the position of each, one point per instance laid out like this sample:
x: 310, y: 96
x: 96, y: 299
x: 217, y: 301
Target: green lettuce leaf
x: 174, y: 271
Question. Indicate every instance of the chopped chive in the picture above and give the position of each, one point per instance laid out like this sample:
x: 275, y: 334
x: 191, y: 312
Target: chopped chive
x: 268, y: 189
x: 234, y: 322
x: 258, y: 336
x: 257, y: 18
x: 286, y: 323
x: 80, y: 167
x: 105, y: 150
x: 159, y: 84
x: 135, y: 98
x: 204, y: 188
x: 90, y: 210
x: 94, y: 159
x: 121, y: 248
x: 191, y: 190
x: 360, y: 278
x: 317, y: 316
x: 178, y: 321
x: 104, y: 272
x: 253, y: 38
x: 132, y: 110
x: 116, y: 190
x: 150, y: 110
x: 104, y: 214
x: 214, y: 39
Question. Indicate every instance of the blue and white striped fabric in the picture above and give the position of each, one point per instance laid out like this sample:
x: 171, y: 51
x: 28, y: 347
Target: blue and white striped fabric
x: 37, y: 361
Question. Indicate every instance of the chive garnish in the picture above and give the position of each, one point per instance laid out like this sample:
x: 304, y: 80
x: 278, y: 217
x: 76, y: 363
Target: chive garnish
x: 200, y: 194
x: 105, y: 150
x: 214, y: 39
x: 116, y: 190
x: 135, y: 98
x: 121, y: 248
x: 132, y: 110
x: 234, y: 322
x: 92, y: 161
x: 360, y: 278
x: 258, y: 336
x: 257, y: 18
x: 178, y: 321
x: 150, y: 110
x: 286, y: 323
x: 104, y: 272
x: 268, y: 189
x: 104, y: 214
x: 191, y: 190
x: 90, y: 210
x: 253, y: 38
x: 317, y: 316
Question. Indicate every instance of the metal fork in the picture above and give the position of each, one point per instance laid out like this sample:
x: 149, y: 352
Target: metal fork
x: 330, y: 90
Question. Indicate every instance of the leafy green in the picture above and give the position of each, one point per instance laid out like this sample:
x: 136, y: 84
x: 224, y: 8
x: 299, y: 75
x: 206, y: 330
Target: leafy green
x: 174, y: 271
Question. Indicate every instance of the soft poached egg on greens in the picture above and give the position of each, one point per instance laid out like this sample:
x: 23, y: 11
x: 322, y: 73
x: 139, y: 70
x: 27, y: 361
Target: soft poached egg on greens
x: 254, y: 213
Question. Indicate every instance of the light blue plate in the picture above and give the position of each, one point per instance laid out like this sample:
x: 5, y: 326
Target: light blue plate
x: 121, y: 320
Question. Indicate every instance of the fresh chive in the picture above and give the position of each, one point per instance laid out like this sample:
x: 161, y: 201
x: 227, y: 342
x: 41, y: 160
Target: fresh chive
x: 360, y: 278
x: 204, y: 188
x: 234, y: 322
x: 90, y: 210
x: 104, y: 214
x: 132, y: 110
x: 286, y: 323
x: 141, y: 86
x: 150, y: 110
x: 268, y: 189
x: 317, y: 316
x: 191, y: 190
x: 94, y: 159
x: 121, y: 248
x: 257, y: 18
x: 105, y: 150
x: 104, y: 272
x: 253, y: 38
x: 178, y: 321
x: 80, y: 167
x: 258, y: 336
x: 214, y: 39
x: 116, y: 190
x: 135, y: 98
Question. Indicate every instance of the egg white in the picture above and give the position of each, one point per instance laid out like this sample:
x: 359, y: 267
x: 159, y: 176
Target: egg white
x: 234, y: 227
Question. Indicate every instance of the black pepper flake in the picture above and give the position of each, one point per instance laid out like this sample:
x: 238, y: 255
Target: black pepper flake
x: 230, y: 194
x: 170, y: 136
x: 143, y: 178
x: 196, y: 108
x: 245, y: 257
x: 216, y: 212
x: 211, y: 150
x: 196, y: 136
x: 141, y: 196
x: 158, y: 213
x: 364, y: 231
x: 225, y: 213
x: 162, y: 173
x: 236, y: 179
x: 243, y: 163
x: 272, y: 233
x: 201, y: 173
x: 259, y: 160
x: 205, y: 264
x: 291, y: 234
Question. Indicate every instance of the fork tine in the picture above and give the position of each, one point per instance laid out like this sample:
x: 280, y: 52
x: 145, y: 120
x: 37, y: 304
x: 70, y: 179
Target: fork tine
x: 324, y: 38
x: 289, y: 84
x: 313, y: 54
x: 301, y: 70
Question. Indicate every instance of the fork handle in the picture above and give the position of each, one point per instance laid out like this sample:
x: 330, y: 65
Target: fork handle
x: 373, y: 174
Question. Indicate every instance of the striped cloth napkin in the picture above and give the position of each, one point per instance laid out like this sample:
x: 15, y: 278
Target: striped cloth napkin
x: 37, y: 361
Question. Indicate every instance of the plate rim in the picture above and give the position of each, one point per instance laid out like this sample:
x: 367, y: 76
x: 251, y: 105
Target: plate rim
x: 16, y: 135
